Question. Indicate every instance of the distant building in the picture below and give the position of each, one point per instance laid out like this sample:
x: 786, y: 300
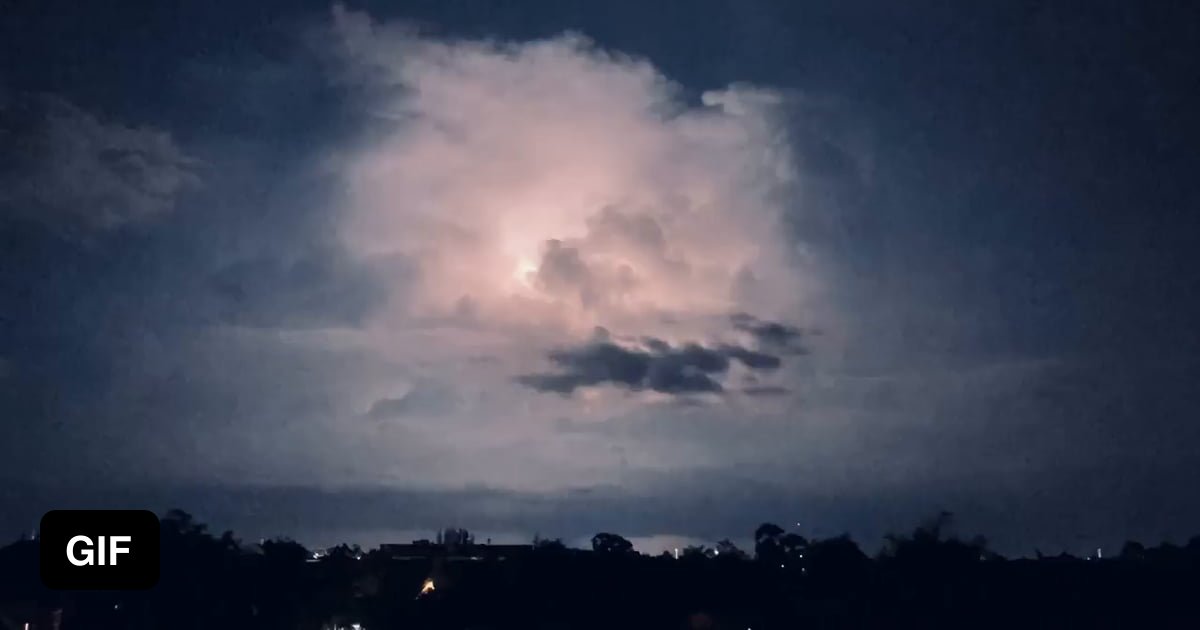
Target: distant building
x: 455, y: 537
x: 454, y: 545
x: 424, y: 550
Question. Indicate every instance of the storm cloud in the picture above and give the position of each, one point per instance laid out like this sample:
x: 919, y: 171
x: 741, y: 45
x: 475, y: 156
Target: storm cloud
x: 556, y: 186
x: 777, y: 335
x: 358, y: 251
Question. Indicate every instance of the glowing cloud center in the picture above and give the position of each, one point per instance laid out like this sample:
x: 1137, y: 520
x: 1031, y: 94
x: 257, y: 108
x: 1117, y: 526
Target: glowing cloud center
x: 553, y: 185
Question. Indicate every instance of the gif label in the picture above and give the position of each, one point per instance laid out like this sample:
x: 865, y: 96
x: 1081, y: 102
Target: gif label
x: 99, y: 549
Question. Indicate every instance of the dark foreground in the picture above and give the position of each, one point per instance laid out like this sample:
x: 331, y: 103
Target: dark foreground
x: 923, y: 580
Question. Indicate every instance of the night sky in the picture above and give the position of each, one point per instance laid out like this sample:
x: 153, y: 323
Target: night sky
x: 669, y: 269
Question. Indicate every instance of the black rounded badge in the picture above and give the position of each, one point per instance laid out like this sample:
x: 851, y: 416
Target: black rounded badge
x: 99, y: 549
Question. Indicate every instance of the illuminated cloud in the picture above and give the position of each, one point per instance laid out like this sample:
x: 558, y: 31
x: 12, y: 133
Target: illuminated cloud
x: 547, y: 188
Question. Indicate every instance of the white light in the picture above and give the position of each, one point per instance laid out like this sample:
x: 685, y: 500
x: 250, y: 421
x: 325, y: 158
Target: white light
x: 525, y: 272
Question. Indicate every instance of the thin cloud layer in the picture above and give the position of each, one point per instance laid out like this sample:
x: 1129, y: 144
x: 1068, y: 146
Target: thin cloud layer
x: 65, y: 167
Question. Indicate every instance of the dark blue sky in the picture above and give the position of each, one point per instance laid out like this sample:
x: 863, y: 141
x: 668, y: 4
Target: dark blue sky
x: 1002, y: 192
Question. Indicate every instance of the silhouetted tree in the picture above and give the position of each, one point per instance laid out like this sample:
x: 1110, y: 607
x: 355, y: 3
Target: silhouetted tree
x: 344, y: 552
x: 793, y: 546
x: 285, y: 552
x: 229, y: 541
x: 548, y: 545
x: 929, y: 548
x: 726, y: 549
x: 455, y: 537
x: 1133, y: 550
x: 835, y: 558
x: 768, y: 543
x: 611, y: 544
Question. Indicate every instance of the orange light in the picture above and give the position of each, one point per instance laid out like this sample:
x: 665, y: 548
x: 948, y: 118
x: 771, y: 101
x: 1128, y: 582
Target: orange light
x: 427, y: 587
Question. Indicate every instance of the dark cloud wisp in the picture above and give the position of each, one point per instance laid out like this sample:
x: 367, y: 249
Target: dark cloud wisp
x: 781, y: 337
x: 655, y: 366
x: 67, y: 168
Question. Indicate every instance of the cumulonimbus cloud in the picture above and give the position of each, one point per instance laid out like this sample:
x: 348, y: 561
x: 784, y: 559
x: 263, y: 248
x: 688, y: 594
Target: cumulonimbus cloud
x: 553, y: 187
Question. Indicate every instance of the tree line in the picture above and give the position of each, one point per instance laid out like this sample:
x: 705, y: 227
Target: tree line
x: 925, y: 578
